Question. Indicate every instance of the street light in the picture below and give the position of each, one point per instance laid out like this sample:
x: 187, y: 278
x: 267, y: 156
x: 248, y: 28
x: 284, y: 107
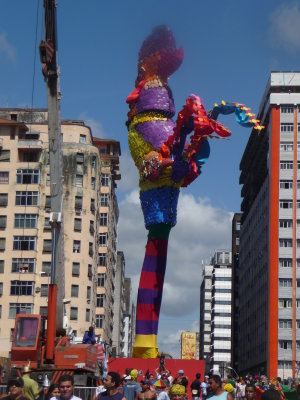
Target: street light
x: 232, y: 369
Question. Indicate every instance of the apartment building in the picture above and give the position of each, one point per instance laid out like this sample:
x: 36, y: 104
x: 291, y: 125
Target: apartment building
x: 269, y: 257
x: 215, y: 312
x: 89, y: 209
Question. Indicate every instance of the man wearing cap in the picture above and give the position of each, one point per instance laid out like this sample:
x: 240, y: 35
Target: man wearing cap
x: 131, y: 388
x: 146, y: 393
x: 15, y: 390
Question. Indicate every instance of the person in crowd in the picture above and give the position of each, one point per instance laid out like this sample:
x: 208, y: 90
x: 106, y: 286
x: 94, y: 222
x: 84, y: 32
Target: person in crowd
x: 231, y: 381
x: 89, y: 336
x: 131, y: 388
x: 53, y: 391
x: 15, y: 390
x: 215, y: 385
x: 270, y: 394
x: 111, y: 385
x: 177, y: 392
x: 161, y: 390
x: 196, y: 387
x: 66, y: 388
x: 204, y: 386
x: 250, y: 391
x: 146, y: 393
x: 31, y: 387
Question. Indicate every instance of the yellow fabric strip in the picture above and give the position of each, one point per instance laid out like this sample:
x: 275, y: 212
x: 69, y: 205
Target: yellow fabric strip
x: 145, y: 346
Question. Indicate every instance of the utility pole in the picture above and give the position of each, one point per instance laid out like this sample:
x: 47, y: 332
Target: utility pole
x: 48, y: 55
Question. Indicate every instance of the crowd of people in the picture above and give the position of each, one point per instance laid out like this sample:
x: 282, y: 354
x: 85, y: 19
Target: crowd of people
x: 160, y: 385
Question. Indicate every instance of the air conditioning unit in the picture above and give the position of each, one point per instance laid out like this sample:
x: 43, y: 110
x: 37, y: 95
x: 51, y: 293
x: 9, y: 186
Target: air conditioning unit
x: 37, y: 290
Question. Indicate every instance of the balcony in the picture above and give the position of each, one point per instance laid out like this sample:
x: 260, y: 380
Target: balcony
x: 29, y: 144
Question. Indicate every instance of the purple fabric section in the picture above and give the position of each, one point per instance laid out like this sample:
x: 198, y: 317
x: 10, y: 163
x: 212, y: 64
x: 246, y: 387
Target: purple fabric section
x: 156, y: 99
x: 146, y: 327
x: 149, y: 296
x: 156, y: 132
x: 154, y: 264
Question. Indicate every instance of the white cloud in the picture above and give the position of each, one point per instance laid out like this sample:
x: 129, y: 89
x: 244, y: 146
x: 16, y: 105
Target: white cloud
x: 285, y: 27
x: 96, y: 126
x: 7, y: 49
x: 129, y: 174
x: 201, y: 228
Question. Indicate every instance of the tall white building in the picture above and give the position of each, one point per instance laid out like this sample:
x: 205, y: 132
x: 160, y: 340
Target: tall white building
x: 215, y: 309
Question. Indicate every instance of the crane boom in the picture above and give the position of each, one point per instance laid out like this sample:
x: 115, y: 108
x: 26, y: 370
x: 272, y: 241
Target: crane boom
x: 48, y: 55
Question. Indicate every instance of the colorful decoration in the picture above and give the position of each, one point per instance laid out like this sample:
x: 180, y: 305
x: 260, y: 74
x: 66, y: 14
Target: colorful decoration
x: 166, y: 161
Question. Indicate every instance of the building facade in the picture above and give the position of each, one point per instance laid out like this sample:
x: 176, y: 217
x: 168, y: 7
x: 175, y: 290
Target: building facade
x: 215, y: 312
x: 25, y: 237
x: 269, y: 257
x: 235, y: 248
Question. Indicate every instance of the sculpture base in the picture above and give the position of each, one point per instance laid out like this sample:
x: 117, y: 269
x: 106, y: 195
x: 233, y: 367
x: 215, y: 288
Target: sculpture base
x: 145, y: 346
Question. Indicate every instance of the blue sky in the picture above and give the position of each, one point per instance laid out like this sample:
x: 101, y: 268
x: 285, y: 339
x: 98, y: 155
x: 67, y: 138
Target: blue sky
x: 230, y: 48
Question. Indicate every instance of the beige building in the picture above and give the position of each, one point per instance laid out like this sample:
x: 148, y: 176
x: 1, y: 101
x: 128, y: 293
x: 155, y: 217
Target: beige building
x: 90, y: 216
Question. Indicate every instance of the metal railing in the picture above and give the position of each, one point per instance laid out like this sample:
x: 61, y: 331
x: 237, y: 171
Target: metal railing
x: 85, y: 393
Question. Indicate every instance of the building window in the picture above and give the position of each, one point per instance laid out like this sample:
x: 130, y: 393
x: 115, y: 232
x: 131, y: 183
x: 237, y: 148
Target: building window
x: 44, y: 290
x: 3, y: 220
x: 283, y: 364
x: 2, y: 244
x: 88, y: 293
x: 47, y: 245
x: 102, y: 259
x: 92, y: 227
x: 286, y: 184
x: 285, y: 282
x: 18, y: 308
x: 103, y: 219
x: 286, y: 204
x: 82, y: 139
x: 3, y: 199
x: 93, y: 183
x: 1, y: 266
x: 74, y: 314
x: 21, y: 288
x: 285, y: 344
x: 101, y: 278
x: 28, y: 176
x: 103, y: 239
x: 79, y: 158
x: 47, y: 226
x: 285, y: 262
x: 1, y: 288
x: 24, y: 243
x: 286, y: 146
x: 75, y: 269
x: 285, y: 109
x: 77, y: 224
x: 91, y: 249
x: 48, y: 204
x: 285, y: 242
x: 4, y: 177
x: 298, y: 323
x: 74, y: 291
x: 285, y: 323
x: 285, y: 223
x: 76, y: 246
x: 4, y: 155
x: 105, y: 179
x: 78, y: 202
x: 44, y: 311
x: 285, y: 303
x: 30, y: 156
x: 79, y: 181
x: 94, y: 161
x: 100, y: 300
x: 46, y: 267
x: 286, y: 164
x: 48, y: 181
x: 26, y: 220
x: 90, y: 271
x: 87, y: 315
x: 298, y: 283
x: 93, y: 206
x: 23, y: 265
x: 237, y: 241
x: 286, y: 127
x: 104, y: 200
x: 27, y: 198
x: 99, y: 321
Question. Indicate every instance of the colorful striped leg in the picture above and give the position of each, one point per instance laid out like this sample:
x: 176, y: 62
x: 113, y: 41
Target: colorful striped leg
x: 150, y: 291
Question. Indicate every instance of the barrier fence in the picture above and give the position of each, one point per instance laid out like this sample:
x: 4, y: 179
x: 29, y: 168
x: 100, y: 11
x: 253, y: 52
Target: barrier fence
x: 85, y: 393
